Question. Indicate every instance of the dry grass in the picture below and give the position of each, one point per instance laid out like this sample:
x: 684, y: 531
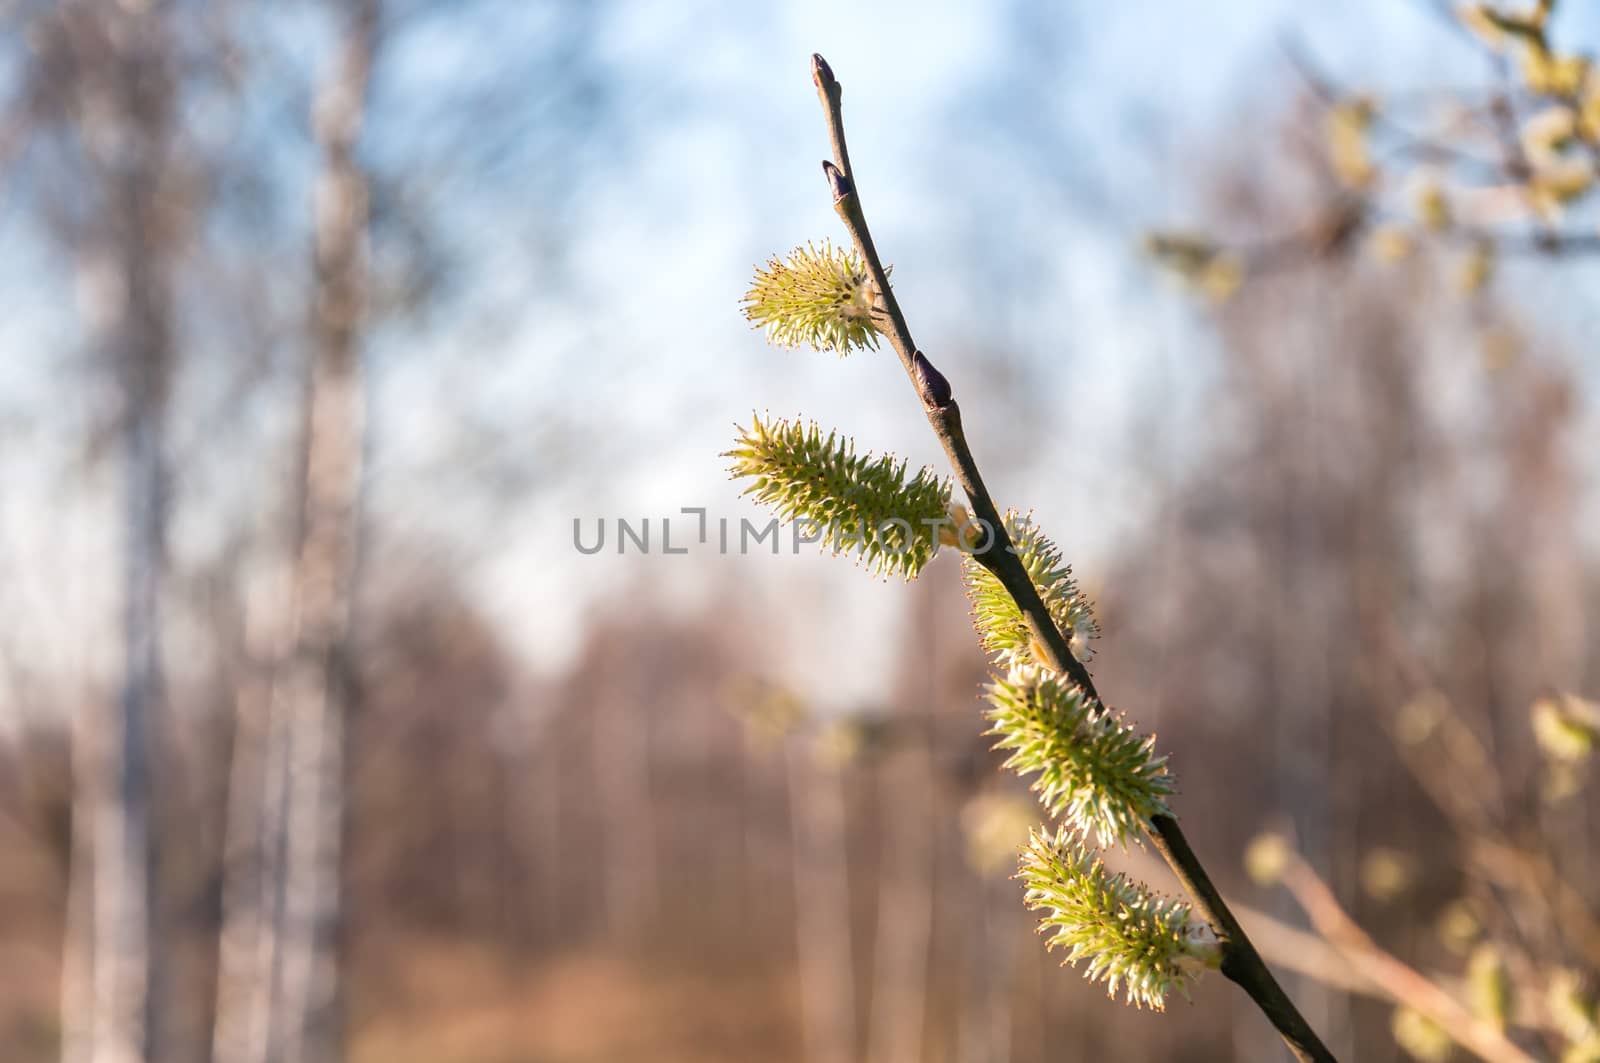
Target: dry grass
x: 441, y: 1002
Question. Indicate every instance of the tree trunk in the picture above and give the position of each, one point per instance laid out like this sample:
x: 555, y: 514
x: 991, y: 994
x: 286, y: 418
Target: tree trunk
x: 279, y: 990
x: 248, y: 966
x: 622, y: 784
x: 822, y: 904
x: 125, y: 256
x: 125, y: 968
x: 905, y: 903
x: 316, y: 690
x: 77, y: 947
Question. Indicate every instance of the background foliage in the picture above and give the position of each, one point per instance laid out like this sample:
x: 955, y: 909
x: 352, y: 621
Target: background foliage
x: 1334, y: 498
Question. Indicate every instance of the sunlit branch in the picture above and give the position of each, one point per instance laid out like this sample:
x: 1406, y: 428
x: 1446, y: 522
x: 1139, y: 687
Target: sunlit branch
x: 1240, y: 961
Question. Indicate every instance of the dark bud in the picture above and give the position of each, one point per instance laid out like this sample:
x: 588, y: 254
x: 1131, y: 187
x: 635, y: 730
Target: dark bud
x: 822, y: 73
x: 931, y: 384
x: 837, y: 180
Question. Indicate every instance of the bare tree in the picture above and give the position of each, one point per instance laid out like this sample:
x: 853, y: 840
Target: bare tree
x: 252, y: 855
x: 316, y: 688
x: 279, y: 986
x: 98, y: 100
x: 316, y: 685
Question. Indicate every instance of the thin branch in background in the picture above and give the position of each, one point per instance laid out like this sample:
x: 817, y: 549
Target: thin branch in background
x: 1331, y: 94
x: 1477, y: 813
x: 1402, y: 983
x: 1527, y: 184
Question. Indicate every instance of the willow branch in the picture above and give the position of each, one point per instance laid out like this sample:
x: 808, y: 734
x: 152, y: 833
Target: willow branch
x: 1241, y: 963
x: 1287, y: 947
x: 1402, y: 983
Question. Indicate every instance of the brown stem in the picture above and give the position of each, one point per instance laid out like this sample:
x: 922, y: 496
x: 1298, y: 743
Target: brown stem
x: 1240, y: 961
x: 1402, y: 983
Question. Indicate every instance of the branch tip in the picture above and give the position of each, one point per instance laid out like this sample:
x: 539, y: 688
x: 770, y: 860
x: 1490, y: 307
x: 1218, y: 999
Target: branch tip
x: 822, y: 74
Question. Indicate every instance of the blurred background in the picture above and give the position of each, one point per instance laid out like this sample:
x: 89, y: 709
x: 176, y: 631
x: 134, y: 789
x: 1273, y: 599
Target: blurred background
x: 337, y: 332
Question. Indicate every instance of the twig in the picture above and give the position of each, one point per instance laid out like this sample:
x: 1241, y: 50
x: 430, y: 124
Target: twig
x: 1240, y: 961
x: 1476, y: 813
x: 1288, y: 947
x: 1536, y: 877
x: 1330, y: 94
x: 1404, y: 984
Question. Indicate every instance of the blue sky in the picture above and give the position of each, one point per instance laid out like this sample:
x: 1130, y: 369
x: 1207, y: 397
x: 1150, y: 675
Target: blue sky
x: 1121, y: 97
x: 1008, y: 174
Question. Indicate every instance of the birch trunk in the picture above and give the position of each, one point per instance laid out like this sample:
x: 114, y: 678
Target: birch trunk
x: 316, y: 683
x: 77, y: 951
x: 252, y: 895
x: 125, y: 965
x: 125, y: 256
